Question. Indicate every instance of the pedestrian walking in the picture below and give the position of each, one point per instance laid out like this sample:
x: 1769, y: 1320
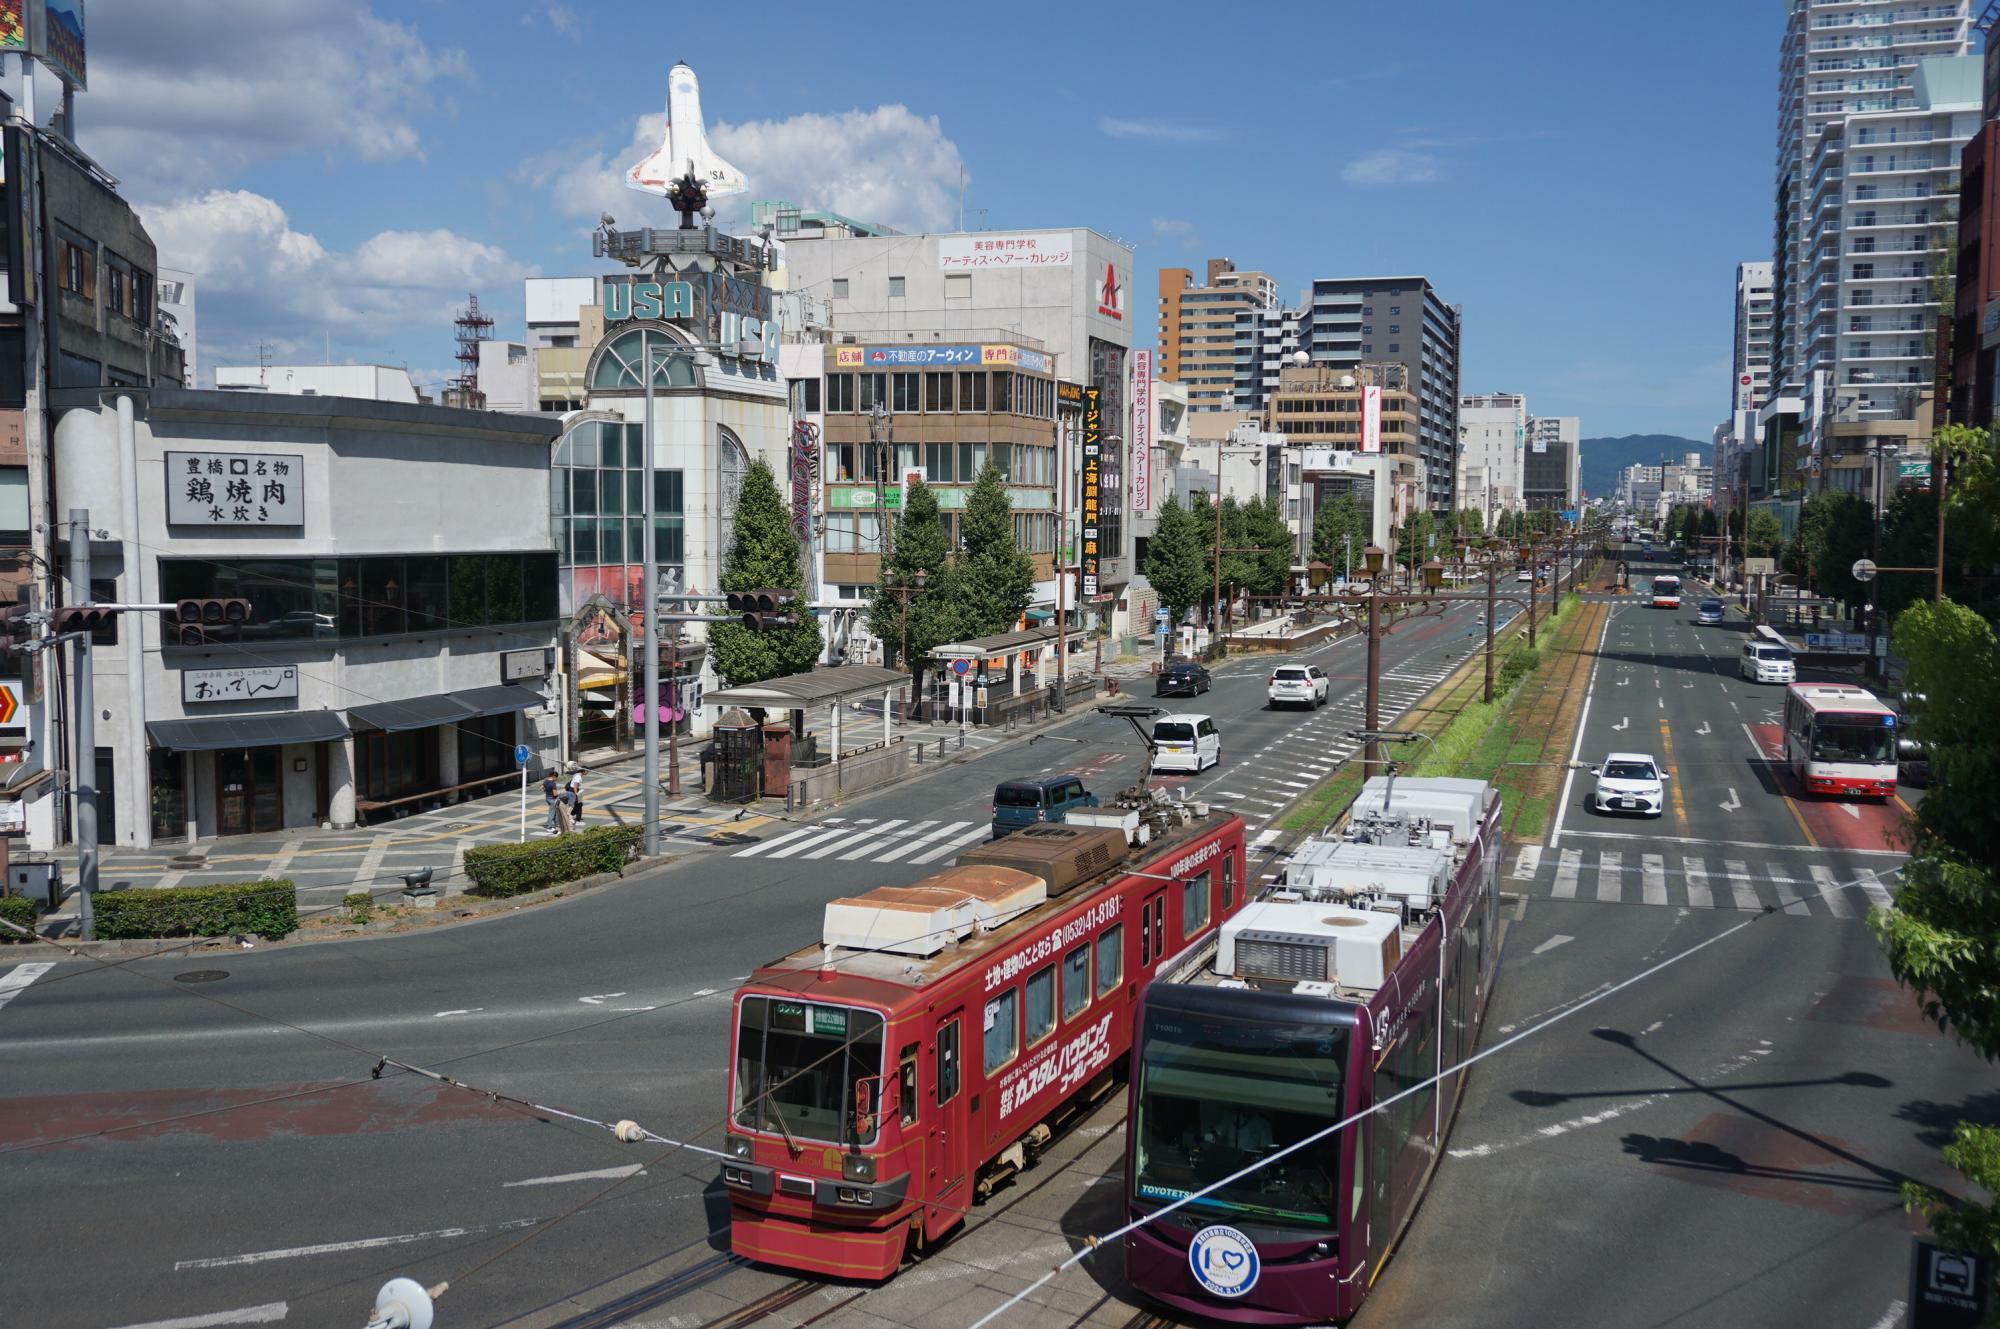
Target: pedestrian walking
x: 549, y: 790
x: 576, y: 793
x: 565, y: 802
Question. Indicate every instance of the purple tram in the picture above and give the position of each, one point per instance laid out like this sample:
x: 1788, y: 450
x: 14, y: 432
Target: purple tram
x: 1364, y: 970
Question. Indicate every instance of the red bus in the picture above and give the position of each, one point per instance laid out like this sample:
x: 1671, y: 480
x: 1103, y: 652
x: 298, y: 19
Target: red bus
x: 888, y: 1079
x: 1840, y: 739
x: 1363, y: 972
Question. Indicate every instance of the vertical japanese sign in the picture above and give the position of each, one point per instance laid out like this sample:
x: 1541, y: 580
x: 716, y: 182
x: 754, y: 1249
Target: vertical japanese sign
x: 1371, y: 419
x: 1092, y: 500
x: 1142, y: 432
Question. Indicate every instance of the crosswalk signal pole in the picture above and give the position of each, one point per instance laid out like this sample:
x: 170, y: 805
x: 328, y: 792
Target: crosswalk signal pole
x: 83, y: 755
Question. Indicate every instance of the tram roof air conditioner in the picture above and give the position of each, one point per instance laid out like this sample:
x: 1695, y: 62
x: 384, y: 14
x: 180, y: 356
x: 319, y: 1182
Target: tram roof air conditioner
x: 1280, y: 942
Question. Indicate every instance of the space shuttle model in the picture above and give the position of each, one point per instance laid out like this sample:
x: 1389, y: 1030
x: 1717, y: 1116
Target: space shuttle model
x: 684, y: 149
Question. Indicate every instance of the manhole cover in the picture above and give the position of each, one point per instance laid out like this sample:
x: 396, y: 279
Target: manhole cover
x: 202, y: 976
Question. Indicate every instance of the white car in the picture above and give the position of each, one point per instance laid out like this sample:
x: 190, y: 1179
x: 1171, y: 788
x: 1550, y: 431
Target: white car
x: 1630, y: 782
x: 1298, y: 685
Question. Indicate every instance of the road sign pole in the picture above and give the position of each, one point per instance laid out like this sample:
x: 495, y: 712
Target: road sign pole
x: 521, y: 760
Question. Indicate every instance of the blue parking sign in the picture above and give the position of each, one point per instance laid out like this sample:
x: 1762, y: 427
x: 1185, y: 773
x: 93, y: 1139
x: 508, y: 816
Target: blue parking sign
x: 521, y: 754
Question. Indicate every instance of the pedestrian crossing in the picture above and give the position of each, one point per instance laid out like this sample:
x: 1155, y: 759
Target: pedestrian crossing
x: 895, y: 840
x: 1691, y: 881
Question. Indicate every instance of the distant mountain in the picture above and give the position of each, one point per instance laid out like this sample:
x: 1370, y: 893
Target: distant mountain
x: 1603, y: 458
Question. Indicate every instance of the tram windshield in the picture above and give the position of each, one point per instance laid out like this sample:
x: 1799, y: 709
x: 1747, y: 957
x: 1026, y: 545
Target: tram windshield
x: 797, y: 1064
x: 1216, y: 1096
x: 1854, y: 738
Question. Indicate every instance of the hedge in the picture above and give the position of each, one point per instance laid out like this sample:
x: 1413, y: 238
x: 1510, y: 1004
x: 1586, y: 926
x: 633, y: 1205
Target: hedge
x: 19, y: 910
x: 267, y: 908
x: 514, y: 869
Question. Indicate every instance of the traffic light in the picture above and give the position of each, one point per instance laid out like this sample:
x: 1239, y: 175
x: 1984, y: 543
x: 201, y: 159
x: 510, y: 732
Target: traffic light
x: 196, y: 617
x: 83, y: 618
x: 15, y: 629
x: 763, y: 611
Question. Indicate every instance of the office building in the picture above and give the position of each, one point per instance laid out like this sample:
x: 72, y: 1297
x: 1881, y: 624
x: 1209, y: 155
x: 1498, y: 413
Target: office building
x: 1349, y: 321
x: 1975, y: 340
x: 362, y: 382
x: 1349, y: 430
x: 1493, y: 433
x: 1210, y: 334
x: 1841, y: 58
x: 1750, y: 361
x: 1551, y: 467
x: 178, y: 318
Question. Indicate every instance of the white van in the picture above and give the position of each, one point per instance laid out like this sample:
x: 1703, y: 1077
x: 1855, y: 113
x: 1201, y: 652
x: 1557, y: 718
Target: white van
x: 1189, y: 743
x: 1767, y: 659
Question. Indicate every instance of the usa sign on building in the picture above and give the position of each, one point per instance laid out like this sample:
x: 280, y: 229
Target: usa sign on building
x: 1142, y: 431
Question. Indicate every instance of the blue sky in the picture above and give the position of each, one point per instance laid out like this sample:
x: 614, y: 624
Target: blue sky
x: 1582, y: 176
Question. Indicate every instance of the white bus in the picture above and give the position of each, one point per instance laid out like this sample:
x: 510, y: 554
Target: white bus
x: 1667, y: 592
x: 1840, y: 739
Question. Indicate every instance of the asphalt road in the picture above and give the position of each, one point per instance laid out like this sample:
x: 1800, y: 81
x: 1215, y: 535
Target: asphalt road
x: 1721, y: 1143
x: 200, y: 1140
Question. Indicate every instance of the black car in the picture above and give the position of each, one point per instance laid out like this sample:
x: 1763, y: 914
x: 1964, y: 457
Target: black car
x: 1181, y: 678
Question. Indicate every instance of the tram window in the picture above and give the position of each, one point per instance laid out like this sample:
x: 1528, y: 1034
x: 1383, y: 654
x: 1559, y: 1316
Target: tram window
x: 1360, y: 1180
x: 1228, y: 881
x: 1146, y: 934
x: 1076, y: 981
x: 947, y: 1062
x: 1160, y: 926
x: 1038, y: 1011
x: 1002, y: 1030
x: 1194, y: 905
x: 906, y: 1084
x: 1110, y: 959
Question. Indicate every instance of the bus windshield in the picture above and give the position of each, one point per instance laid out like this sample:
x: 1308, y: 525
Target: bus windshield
x: 1666, y: 585
x: 1853, y: 738
x: 796, y: 1066
x: 1217, y: 1095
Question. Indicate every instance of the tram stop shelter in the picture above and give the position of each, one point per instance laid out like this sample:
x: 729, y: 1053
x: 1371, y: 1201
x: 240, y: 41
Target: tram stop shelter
x: 1006, y: 666
x: 800, y: 693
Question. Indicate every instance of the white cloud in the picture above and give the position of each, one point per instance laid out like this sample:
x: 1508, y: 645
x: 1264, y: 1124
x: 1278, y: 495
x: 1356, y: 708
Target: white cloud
x: 261, y: 280
x: 1160, y: 130
x: 558, y: 16
x: 889, y: 166
x: 184, y: 96
x: 1178, y: 229
x: 1393, y: 166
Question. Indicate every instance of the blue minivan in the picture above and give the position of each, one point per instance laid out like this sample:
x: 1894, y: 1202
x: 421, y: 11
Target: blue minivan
x: 1019, y: 803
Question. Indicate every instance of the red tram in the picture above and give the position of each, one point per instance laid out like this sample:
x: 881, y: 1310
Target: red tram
x: 883, y: 1083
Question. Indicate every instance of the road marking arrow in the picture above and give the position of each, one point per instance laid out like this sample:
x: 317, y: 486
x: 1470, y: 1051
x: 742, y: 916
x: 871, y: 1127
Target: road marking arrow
x: 1733, y: 803
x: 1624, y: 723
x: 600, y: 998
x: 1552, y: 943
x: 1850, y: 810
x: 1703, y: 731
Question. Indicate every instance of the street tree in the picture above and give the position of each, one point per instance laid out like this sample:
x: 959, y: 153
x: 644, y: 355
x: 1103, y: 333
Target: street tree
x: 1238, y: 567
x: 1765, y: 535
x: 996, y: 580
x: 934, y: 614
x: 1340, y: 531
x: 1265, y: 523
x: 1177, y: 559
x: 1413, y: 540
x: 1942, y: 933
x: 1835, y: 528
x: 763, y: 554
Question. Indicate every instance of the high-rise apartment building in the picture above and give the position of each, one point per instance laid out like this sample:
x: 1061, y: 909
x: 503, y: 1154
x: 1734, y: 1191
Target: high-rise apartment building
x: 1750, y: 365
x: 1840, y: 58
x: 1402, y: 320
x: 1493, y: 434
x: 1552, y: 465
x: 1209, y: 334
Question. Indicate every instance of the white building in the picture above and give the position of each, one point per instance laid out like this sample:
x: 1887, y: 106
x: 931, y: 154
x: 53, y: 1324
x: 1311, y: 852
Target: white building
x: 402, y: 589
x: 1493, y: 431
x: 176, y: 290
x: 1879, y: 199
x: 1840, y: 58
x: 362, y: 382
x: 1750, y: 363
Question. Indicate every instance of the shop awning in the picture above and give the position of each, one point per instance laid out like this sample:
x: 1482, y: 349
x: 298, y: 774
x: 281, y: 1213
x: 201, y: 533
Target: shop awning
x: 1040, y: 615
x: 498, y: 699
x: 211, y: 732
x: 815, y: 687
x: 410, y: 713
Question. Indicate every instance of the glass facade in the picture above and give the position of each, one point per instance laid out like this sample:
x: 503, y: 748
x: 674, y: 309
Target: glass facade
x: 345, y: 599
x: 597, y: 499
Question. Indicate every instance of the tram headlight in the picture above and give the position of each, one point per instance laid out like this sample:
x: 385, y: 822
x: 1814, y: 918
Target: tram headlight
x: 737, y: 1146
x: 857, y: 1167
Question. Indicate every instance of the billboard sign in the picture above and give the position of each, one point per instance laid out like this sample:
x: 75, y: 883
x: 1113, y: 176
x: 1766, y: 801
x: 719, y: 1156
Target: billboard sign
x: 964, y: 253
x: 235, y: 489
x: 1142, y: 430
x: 62, y: 40
x: 1371, y: 419
x: 13, y: 25
x: 1091, y: 500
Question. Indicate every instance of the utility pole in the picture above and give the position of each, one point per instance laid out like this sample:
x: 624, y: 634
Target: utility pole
x: 1492, y: 598
x: 1372, y: 754
x: 878, y: 440
x: 649, y: 596
x: 1062, y: 570
x: 83, y: 756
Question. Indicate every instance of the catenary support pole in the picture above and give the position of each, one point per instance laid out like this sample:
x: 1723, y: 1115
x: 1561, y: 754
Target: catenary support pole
x: 132, y: 756
x: 1492, y: 604
x: 649, y: 582
x: 83, y: 757
x: 1370, y: 714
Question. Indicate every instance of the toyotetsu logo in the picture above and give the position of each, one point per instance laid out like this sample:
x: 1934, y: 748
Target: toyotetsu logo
x: 1063, y: 1067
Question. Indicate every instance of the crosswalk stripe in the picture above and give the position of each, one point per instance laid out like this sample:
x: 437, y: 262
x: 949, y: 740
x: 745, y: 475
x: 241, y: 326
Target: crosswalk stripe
x: 1610, y: 867
x: 1653, y: 871
x: 874, y: 841
x: 767, y: 845
x: 915, y: 843
x: 1696, y: 872
x: 1567, y: 868
x: 819, y: 837
x: 870, y: 834
x: 1528, y: 863
x: 1739, y: 884
x: 1871, y: 886
x: 951, y: 846
x: 1782, y: 882
x: 1831, y: 891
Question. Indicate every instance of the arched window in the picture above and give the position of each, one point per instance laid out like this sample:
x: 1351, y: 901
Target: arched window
x: 619, y: 362
x: 733, y: 462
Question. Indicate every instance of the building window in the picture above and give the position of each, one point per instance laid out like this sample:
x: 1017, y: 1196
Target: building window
x: 937, y: 464
x: 77, y: 371
x: 76, y: 264
x: 839, y: 392
x: 620, y: 363
x: 895, y: 288
x: 903, y: 393
x: 958, y: 286
x: 840, y: 288
x: 874, y: 388
x: 1394, y: 347
x: 14, y: 504
x: 937, y: 392
x: 325, y: 599
x: 805, y: 396
x: 972, y: 391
